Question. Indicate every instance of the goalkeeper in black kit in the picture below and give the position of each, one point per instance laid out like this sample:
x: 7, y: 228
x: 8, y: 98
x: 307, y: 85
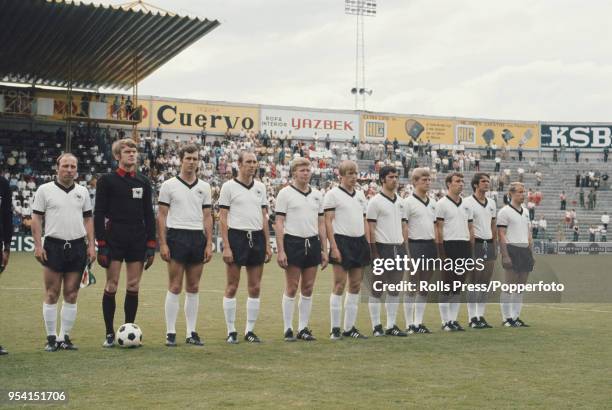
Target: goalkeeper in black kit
x: 125, y: 231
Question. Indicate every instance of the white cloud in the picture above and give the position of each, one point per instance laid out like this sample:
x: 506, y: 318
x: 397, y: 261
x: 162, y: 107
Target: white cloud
x: 530, y: 60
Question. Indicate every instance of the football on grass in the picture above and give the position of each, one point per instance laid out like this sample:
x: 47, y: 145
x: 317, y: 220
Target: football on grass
x: 129, y: 335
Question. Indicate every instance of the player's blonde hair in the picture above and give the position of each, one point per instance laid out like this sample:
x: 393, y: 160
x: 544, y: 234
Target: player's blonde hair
x: 122, y: 143
x: 419, y: 173
x: 346, y: 166
x: 514, y: 186
x: 298, y: 162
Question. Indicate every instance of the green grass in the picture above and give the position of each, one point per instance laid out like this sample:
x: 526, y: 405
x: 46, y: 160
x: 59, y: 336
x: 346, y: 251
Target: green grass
x: 562, y: 361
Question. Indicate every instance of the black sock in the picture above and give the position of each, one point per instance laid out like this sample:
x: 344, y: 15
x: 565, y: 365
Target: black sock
x: 130, y: 306
x: 108, y: 309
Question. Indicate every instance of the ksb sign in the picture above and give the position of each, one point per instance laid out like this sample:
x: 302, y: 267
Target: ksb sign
x: 577, y: 136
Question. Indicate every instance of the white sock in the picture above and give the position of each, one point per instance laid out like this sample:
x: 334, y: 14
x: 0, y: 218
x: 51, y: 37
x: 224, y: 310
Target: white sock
x: 252, y: 307
x: 482, y: 302
x: 50, y: 317
x: 516, y: 305
x: 192, y: 303
x: 68, y: 317
x: 505, y: 306
x: 409, y: 306
x: 519, y: 304
x: 472, y: 307
x: 171, y: 308
x: 453, y: 310
x: 419, y: 309
x: 287, y: 307
x: 304, y: 307
x: 335, y: 309
x: 229, y: 310
x: 444, y: 307
x: 350, y: 310
x: 374, y: 308
x: 391, y: 304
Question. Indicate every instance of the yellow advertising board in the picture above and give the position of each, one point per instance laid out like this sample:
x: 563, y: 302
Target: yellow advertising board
x: 466, y: 132
x: 192, y: 117
x: 482, y: 132
x: 407, y: 128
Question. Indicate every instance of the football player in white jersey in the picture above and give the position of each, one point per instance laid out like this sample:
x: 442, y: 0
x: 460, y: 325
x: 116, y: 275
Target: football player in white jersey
x: 68, y: 247
x: 483, y: 240
x: 453, y: 227
x: 384, y: 215
x: 243, y: 217
x: 302, y: 245
x: 347, y: 230
x: 185, y: 237
x: 419, y: 228
x: 516, y: 247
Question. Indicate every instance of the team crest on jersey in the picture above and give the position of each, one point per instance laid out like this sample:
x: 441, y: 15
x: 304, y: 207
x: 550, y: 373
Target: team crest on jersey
x: 79, y: 197
x: 137, y: 193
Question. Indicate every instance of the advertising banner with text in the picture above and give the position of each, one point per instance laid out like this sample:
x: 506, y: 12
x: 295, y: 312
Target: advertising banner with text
x: 449, y: 130
x: 482, y: 132
x: 407, y: 128
x: 304, y: 124
x: 576, y: 135
x: 192, y: 117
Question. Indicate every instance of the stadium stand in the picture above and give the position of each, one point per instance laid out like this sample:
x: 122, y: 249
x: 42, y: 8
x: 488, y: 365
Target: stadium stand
x: 27, y: 159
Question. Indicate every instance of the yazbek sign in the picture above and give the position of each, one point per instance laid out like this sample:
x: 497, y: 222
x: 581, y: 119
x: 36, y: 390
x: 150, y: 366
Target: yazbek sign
x: 304, y: 124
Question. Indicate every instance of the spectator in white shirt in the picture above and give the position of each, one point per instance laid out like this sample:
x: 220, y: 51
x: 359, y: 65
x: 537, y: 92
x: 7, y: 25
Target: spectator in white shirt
x: 605, y: 220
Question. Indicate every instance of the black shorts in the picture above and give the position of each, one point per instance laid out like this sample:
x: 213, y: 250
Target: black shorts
x: 458, y: 249
x: 422, y: 248
x: 64, y: 257
x: 354, y: 250
x: 248, y: 247
x: 377, y: 275
x: 127, y: 242
x: 522, y: 258
x: 186, y: 246
x: 485, y: 249
x: 391, y: 251
x: 302, y: 252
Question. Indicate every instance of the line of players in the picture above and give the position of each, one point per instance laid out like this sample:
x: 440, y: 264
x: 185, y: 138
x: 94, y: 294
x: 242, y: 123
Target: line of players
x: 124, y: 227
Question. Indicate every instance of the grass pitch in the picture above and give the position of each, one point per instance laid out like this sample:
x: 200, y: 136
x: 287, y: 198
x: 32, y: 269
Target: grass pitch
x: 562, y: 361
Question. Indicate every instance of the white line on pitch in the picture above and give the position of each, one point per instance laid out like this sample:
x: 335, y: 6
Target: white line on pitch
x: 571, y: 309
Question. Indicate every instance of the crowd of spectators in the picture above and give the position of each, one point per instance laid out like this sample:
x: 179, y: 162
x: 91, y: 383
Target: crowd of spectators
x: 31, y: 162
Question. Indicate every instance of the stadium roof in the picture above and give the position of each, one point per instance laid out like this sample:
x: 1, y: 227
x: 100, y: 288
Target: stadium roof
x: 50, y: 42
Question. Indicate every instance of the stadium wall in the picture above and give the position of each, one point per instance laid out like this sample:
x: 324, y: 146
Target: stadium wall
x: 188, y: 117
x: 25, y: 243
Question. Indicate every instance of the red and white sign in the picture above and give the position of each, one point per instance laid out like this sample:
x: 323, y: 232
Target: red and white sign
x: 304, y: 124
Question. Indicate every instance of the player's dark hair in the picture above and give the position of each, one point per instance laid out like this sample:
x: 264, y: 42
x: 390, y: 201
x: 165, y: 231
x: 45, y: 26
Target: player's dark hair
x: 187, y: 149
x: 384, y: 171
x: 449, y: 177
x: 477, y: 177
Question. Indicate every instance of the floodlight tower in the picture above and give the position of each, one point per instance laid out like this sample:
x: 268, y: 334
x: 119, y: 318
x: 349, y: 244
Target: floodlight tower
x: 360, y: 9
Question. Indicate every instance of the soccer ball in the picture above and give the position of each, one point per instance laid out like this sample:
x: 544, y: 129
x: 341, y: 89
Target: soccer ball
x: 129, y: 335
